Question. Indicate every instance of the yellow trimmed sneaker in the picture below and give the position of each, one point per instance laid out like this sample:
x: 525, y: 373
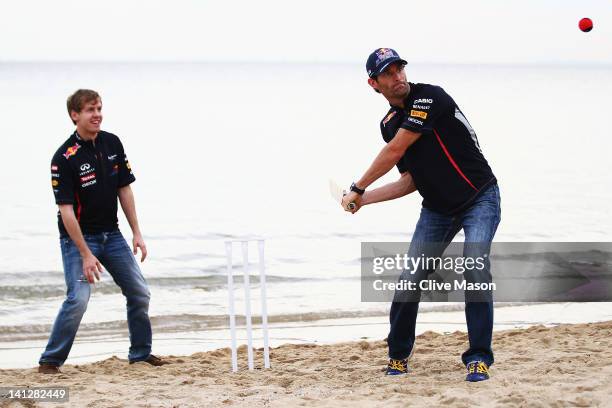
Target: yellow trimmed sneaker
x: 477, y: 371
x: 397, y: 367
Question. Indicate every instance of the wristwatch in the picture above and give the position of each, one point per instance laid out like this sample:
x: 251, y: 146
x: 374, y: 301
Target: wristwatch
x: 357, y: 189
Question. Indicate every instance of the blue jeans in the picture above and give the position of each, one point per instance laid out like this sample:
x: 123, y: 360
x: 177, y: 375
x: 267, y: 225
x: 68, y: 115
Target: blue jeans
x: 479, y: 223
x: 116, y: 256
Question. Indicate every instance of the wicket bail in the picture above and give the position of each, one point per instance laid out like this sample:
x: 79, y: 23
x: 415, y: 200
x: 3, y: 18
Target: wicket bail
x: 247, y: 302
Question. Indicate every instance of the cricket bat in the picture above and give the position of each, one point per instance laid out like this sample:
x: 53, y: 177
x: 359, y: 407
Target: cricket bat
x: 338, y: 193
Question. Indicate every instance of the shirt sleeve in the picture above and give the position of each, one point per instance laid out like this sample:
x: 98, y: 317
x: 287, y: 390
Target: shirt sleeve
x: 62, y: 180
x: 388, y: 128
x: 426, y: 109
x: 126, y: 176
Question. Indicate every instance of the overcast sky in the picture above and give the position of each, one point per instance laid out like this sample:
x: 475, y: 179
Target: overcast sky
x: 462, y: 31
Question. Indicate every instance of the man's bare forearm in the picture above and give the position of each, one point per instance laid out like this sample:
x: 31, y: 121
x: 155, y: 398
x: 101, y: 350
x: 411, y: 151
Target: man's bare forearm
x: 128, y: 204
x: 391, y: 191
x: 384, y: 161
x: 388, y: 157
x: 74, y: 229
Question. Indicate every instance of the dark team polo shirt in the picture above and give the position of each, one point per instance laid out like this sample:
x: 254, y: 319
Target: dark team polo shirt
x: 446, y: 162
x: 88, y: 176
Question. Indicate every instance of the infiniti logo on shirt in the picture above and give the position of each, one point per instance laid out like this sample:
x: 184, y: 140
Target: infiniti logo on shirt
x: 85, y: 166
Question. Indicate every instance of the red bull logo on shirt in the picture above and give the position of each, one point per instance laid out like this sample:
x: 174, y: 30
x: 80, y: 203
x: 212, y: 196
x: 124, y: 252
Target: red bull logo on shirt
x: 72, y: 150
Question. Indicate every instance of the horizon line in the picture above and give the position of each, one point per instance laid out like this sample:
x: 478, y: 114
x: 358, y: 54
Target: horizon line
x: 551, y: 63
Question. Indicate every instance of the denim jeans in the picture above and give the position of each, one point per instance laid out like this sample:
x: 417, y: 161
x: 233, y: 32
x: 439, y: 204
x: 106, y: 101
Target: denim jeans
x: 479, y: 223
x: 116, y: 256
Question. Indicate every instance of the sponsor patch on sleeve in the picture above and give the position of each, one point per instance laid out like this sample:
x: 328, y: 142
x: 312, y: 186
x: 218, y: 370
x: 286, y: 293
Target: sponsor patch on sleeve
x: 388, y: 118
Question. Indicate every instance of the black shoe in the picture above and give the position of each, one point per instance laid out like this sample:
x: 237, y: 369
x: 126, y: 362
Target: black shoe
x: 153, y: 360
x: 46, y: 368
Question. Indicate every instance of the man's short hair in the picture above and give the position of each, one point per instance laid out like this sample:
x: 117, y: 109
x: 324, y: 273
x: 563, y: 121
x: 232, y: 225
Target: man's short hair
x: 77, y: 100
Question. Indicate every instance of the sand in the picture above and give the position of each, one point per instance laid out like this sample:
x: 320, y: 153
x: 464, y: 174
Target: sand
x: 562, y: 366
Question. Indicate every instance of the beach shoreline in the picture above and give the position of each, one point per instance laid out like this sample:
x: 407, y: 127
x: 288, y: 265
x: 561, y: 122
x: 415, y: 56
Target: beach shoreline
x: 89, y: 349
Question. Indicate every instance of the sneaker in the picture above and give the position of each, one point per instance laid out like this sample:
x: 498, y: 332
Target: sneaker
x: 397, y: 367
x: 477, y: 371
x: 153, y: 360
x: 46, y: 368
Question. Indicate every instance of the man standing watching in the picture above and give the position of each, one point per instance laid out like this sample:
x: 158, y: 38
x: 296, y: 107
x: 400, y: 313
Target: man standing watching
x: 437, y: 154
x: 88, y: 173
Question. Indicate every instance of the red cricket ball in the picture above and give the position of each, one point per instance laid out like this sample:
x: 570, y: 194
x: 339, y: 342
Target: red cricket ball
x: 585, y: 24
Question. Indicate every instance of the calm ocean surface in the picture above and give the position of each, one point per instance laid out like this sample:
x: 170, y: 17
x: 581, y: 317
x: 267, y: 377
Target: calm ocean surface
x: 227, y: 151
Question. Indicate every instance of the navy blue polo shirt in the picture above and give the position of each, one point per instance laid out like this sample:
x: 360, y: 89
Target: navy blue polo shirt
x: 88, y: 175
x: 446, y: 162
